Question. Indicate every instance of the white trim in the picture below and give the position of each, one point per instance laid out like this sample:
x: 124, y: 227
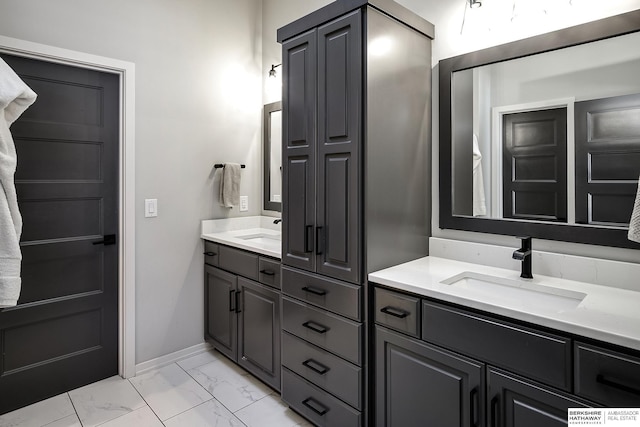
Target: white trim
x: 126, y: 245
x: 168, y: 359
x: 496, y: 141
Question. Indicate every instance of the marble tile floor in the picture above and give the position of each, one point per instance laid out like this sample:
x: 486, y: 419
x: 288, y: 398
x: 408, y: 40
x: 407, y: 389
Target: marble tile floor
x: 203, y: 390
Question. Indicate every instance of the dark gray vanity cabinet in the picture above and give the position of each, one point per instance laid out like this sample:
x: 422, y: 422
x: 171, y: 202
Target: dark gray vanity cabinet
x: 321, y: 149
x: 419, y: 384
x: 242, y: 316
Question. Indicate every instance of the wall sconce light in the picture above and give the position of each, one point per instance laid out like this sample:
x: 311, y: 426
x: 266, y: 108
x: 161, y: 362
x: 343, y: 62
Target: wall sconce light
x: 272, y: 71
x: 474, y: 4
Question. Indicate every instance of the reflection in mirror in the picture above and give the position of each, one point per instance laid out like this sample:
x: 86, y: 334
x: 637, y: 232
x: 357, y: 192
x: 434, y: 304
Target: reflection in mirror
x: 272, y: 152
x: 544, y: 138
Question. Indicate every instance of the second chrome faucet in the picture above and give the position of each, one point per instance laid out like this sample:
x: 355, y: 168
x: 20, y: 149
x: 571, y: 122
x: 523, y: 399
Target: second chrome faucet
x: 524, y: 255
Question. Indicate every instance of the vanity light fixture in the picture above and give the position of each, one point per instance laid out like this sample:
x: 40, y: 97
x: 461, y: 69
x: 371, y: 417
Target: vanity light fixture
x: 474, y: 4
x: 272, y: 71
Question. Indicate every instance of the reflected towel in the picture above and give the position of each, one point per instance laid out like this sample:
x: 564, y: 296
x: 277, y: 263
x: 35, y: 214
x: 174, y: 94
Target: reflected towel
x: 634, y: 223
x: 230, y: 185
x: 15, y: 98
x: 479, y: 202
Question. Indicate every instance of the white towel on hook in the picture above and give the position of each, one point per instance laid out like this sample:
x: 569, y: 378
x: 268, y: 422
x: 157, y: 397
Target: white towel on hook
x: 15, y: 98
x: 634, y: 223
x: 230, y: 185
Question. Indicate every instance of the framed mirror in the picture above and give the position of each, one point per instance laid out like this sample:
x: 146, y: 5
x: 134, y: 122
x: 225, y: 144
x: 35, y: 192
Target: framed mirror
x: 272, y: 156
x: 541, y: 137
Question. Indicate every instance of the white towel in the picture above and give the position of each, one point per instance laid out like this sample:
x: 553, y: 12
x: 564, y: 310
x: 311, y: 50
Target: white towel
x: 15, y: 98
x: 634, y: 223
x: 479, y: 202
x: 230, y: 185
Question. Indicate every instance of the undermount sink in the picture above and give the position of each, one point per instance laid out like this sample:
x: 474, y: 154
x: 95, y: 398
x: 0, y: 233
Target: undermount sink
x: 262, y: 238
x: 518, y: 291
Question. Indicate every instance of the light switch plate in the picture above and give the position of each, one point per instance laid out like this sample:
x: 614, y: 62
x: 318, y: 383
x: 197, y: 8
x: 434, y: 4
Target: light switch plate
x: 244, y: 203
x: 150, y: 208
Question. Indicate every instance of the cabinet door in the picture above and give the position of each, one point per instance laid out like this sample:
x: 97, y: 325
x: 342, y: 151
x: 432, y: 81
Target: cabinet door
x: 299, y: 151
x: 259, y: 331
x: 515, y: 402
x: 221, y: 320
x: 418, y: 384
x: 338, y: 232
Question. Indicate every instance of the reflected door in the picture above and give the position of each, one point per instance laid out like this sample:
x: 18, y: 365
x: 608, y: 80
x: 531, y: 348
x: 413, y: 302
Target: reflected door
x: 64, y: 331
x: 534, y: 165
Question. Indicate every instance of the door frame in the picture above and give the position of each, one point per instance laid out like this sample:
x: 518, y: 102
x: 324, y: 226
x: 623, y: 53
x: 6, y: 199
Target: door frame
x: 126, y: 175
x: 497, y: 142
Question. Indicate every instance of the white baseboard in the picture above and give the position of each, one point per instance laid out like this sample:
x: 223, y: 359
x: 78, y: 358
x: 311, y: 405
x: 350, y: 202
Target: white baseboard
x: 167, y: 359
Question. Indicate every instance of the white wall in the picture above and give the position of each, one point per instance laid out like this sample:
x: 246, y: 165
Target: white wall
x: 198, y: 102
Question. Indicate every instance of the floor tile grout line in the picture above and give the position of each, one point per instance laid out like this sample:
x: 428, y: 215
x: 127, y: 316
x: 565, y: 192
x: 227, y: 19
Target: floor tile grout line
x: 74, y: 408
x: 144, y: 400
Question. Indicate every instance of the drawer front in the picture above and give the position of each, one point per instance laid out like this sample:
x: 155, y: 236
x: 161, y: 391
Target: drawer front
x: 239, y: 262
x: 269, y: 272
x: 540, y: 356
x: 323, y: 369
x: 607, y: 377
x: 398, y: 311
x: 211, y: 253
x: 339, y: 297
x: 315, y: 404
x: 336, y: 334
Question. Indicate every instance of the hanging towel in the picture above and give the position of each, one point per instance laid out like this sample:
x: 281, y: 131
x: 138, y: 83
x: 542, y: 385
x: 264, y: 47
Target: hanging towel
x: 230, y: 185
x: 479, y: 202
x: 634, y: 223
x: 15, y: 98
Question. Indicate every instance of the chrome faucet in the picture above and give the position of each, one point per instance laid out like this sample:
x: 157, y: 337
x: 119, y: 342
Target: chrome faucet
x: 277, y: 221
x: 524, y: 255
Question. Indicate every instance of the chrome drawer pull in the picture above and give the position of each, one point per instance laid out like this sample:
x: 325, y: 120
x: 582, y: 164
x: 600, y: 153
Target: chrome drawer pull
x: 268, y: 272
x: 315, y: 327
x: 315, y: 291
x: 615, y: 383
x: 210, y: 253
x: 315, y: 366
x: 315, y: 406
x: 395, y: 312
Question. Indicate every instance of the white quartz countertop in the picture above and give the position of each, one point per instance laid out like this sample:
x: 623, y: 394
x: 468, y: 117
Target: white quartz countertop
x: 605, y: 313
x: 254, y: 233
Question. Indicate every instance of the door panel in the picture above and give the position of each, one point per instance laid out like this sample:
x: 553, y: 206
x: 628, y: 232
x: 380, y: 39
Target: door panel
x: 259, y: 331
x: 534, y: 159
x: 607, y: 159
x: 422, y: 385
x: 339, y: 134
x: 64, y: 331
x: 298, y: 150
x: 220, y: 310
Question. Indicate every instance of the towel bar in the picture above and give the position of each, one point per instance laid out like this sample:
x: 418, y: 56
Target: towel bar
x: 221, y: 165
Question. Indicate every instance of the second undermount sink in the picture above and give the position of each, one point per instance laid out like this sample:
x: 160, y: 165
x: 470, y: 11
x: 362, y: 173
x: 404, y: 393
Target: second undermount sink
x: 519, y: 292
x: 267, y: 239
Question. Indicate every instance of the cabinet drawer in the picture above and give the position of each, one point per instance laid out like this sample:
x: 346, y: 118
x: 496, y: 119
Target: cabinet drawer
x: 336, y: 334
x: 211, y: 251
x: 269, y: 272
x: 607, y: 377
x: 541, y: 356
x: 398, y: 311
x: 323, y: 369
x: 239, y: 262
x: 333, y: 295
x: 315, y: 404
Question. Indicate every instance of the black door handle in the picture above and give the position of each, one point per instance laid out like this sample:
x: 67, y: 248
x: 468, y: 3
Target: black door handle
x: 308, y: 238
x: 315, y: 327
x: 231, y: 300
x: 268, y: 272
x: 210, y: 253
x: 315, y: 406
x: 109, y: 239
x: 315, y: 291
x: 238, y: 302
x: 474, y: 407
x: 395, y: 312
x: 316, y: 366
x: 319, y: 241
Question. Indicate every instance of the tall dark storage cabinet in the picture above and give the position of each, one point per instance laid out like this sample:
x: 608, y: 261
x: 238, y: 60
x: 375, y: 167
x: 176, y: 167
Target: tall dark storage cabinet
x: 356, y: 189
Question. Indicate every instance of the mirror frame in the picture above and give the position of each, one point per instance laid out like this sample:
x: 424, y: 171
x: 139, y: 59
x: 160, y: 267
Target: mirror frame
x: 593, y: 31
x: 266, y: 157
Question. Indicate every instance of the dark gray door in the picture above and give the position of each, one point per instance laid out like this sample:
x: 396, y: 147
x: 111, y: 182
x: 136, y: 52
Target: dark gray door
x: 534, y: 165
x: 299, y: 151
x: 259, y: 331
x: 221, y: 305
x: 421, y: 385
x: 64, y: 331
x: 339, y: 117
x: 607, y: 159
x: 517, y: 403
